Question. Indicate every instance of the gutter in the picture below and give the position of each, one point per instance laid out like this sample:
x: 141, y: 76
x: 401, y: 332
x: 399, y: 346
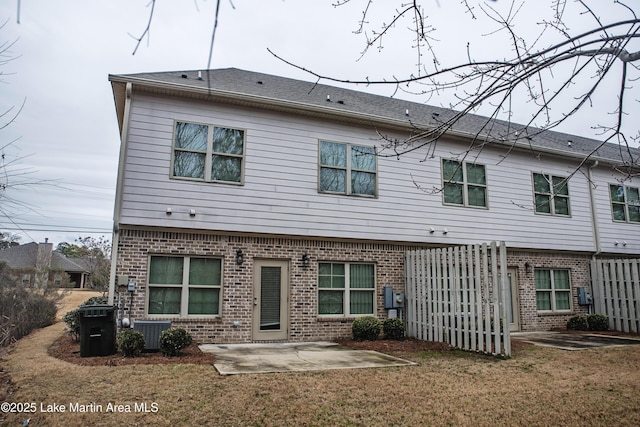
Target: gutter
x: 594, y: 216
x: 596, y: 232
x: 124, y: 136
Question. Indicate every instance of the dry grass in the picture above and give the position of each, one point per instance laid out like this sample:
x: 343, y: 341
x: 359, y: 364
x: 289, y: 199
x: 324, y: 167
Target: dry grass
x: 538, y: 386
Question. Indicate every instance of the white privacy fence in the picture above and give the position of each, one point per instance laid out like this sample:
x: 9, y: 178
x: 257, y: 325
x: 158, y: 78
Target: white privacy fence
x: 458, y: 295
x: 615, y: 285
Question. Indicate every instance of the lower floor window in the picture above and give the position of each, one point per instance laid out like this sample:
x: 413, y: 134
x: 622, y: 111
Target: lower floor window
x: 346, y: 289
x: 184, y: 285
x: 553, y: 290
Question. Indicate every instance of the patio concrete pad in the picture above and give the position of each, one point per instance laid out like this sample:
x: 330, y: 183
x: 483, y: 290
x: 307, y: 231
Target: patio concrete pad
x: 294, y: 357
x: 573, y: 341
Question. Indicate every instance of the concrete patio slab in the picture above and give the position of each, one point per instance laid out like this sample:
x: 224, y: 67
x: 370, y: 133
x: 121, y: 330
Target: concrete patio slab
x: 573, y: 341
x: 294, y: 357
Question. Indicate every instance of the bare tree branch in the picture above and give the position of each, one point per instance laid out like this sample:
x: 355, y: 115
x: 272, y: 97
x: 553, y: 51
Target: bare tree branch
x: 547, y: 74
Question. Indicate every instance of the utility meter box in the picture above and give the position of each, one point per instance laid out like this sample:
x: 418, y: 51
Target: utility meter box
x: 584, y: 297
x: 393, y: 299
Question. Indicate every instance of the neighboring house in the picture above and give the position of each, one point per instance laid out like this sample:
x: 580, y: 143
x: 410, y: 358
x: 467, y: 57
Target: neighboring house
x: 258, y: 209
x: 38, y: 265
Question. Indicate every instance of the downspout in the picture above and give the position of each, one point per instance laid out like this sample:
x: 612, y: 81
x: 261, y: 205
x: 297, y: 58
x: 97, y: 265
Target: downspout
x: 594, y: 222
x: 118, y: 199
x: 594, y: 216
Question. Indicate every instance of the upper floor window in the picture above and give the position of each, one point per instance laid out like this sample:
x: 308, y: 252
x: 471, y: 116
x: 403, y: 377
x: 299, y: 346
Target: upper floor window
x: 464, y: 184
x: 553, y: 290
x: 551, y: 194
x: 347, y: 169
x: 625, y: 203
x: 208, y: 153
x: 346, y: 289
x: 184, y: 286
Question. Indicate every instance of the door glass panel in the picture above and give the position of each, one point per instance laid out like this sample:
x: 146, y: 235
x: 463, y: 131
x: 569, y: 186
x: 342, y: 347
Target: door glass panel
x: 270, y: 279
x: 509, y: 298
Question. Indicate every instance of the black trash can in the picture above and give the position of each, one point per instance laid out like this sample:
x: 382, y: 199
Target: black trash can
x: 97, y: 330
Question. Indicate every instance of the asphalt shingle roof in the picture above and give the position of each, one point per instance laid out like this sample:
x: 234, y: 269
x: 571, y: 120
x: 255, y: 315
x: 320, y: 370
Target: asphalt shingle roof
x: 335, y: 100
x: 25, y: 256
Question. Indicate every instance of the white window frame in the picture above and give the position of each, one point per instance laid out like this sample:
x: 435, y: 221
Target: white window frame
x: 552, y: 195
x: 184, y: 286
x: 553, y: 291
x: 346, y: 301
x: 465, y: 184
x: 209, y: 154
x: 348, y: 170
x: 626, y: 203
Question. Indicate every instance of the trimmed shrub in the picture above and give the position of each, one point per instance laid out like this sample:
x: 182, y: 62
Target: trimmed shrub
x: 366, y: 328
x: 72, y: 318
x: 173, y: 340
x: 130, y: 342
x: 578, y: 323
x: 393, y: 329
x: 95, y: 301
x: 598, y: 322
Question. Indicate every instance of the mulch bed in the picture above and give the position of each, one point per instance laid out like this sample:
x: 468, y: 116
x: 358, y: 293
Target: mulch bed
x: 67, y: 349
x: 408, y: 345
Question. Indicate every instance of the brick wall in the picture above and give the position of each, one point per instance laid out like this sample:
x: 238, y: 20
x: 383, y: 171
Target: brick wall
x: 135, y: 246
x: 530, y: 318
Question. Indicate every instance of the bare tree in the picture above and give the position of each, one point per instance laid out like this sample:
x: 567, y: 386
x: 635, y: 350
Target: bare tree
x: 9, y: 240
x: 554, y: 73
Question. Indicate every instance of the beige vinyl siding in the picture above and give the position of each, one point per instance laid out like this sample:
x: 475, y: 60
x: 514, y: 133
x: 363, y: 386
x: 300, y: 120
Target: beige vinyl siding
x: 280, y: 193
x: 614, y: 231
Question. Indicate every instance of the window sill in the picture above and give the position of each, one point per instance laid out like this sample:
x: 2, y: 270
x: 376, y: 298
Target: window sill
x: 556, y: 313
x: 342, y: 319
x: 363, y: 196
x: 455, y: 205
x: 205, y: 319
x: 201, y: 180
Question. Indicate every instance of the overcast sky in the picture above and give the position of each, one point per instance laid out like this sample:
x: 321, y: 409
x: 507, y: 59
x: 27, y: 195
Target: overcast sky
x: 67, y: 132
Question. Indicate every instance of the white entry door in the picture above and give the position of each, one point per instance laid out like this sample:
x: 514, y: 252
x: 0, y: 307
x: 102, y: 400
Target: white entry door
x: 270, y: 300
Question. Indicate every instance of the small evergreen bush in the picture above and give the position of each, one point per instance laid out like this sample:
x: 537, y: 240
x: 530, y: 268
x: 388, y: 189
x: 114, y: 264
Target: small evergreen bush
x: 393, y: 329
x: 578, y: 323
x: 130, y: 342
x: 95, y: 301
x: 72, y: 320
x: 598, y: 322
x: 366, y: 328
x: 173, y: 340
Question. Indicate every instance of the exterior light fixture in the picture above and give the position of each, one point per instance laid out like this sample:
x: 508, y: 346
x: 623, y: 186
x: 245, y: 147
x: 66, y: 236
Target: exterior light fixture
x: 239, y: 257
x: 305, y: 260
x: 527, y: 268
